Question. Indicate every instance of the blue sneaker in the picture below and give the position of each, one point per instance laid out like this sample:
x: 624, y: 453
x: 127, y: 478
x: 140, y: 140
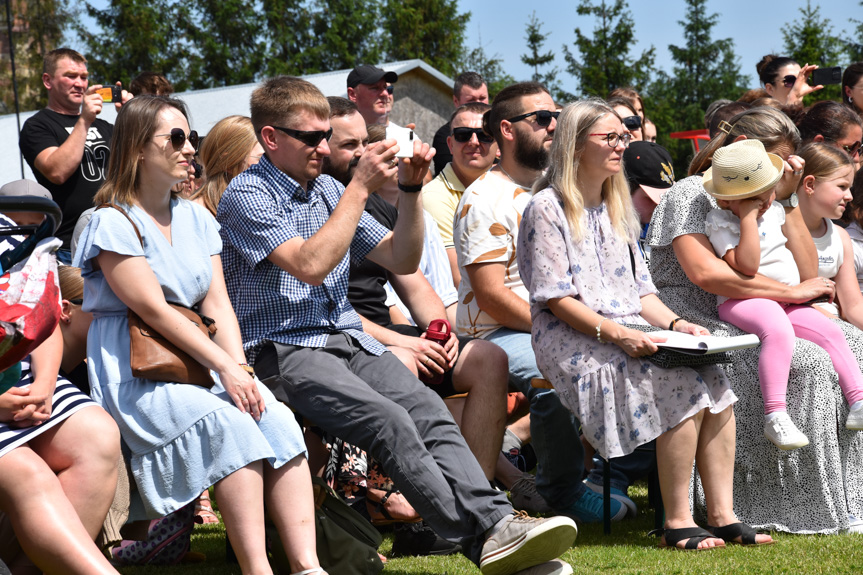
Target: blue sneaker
x: 588, y: 508
x: 618, y: 495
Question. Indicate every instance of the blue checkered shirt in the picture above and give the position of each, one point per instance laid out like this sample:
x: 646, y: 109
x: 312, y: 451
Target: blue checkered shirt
x: 263, y: 208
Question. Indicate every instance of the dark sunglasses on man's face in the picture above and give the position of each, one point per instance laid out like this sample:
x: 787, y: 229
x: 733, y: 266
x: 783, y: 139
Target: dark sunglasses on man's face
x: 178, y: 138
x: 311, y: 138
x: 632, y: 122
x: 543, y: 117
x: 390, y: 89
x: 463, y: 135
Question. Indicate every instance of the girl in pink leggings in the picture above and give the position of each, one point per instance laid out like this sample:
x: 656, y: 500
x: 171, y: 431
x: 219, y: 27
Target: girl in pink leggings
x: 747, y: 233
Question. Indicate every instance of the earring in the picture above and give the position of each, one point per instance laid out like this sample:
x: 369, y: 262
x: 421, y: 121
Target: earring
x: 850, y: 101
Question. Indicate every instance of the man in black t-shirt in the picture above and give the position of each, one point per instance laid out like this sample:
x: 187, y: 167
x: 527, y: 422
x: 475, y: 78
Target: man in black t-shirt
x: 66, y: 145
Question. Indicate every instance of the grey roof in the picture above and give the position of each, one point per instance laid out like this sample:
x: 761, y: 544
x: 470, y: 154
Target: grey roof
x: 206, y: 108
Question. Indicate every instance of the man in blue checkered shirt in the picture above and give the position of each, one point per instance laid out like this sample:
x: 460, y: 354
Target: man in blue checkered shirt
x: 288, y: 236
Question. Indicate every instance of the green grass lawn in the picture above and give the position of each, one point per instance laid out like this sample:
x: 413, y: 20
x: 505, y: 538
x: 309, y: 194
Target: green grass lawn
x: 628, y: 550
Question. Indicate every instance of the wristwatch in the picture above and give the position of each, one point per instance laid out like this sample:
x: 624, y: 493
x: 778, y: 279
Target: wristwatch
x: 791, y: 202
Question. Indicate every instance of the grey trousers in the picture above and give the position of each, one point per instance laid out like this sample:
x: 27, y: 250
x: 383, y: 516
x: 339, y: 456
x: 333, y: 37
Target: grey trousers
x: 377, y: 404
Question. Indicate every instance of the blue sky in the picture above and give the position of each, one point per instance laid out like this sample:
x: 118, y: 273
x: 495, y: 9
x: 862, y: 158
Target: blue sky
x: 754, y: 26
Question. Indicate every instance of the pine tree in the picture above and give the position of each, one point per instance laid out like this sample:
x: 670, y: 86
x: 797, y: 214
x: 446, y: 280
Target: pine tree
x: 603, y: 62
x: 490, y: 67
x: 705, y: 70
x: 853, y: 44
x: 535, y: 59
x: 347, y: 35
x: 432, y: 30
x: 811, y: 40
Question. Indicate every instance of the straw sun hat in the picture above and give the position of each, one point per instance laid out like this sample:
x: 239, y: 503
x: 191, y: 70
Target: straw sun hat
x: 742, y: 170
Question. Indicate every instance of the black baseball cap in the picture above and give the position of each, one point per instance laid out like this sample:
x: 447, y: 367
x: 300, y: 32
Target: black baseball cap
x: 648, y: 165
x: 368, y: 74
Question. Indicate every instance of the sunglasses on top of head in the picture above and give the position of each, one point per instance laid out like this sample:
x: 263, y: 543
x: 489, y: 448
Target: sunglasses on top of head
x: 543, y: 117
x: 311, y: 138
x: 463, y: 135
x: 178, y: 138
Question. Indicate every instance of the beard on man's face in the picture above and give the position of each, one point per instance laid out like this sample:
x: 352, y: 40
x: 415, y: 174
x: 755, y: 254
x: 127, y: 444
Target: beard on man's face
x: 343, y: 174
x: 531, y: 154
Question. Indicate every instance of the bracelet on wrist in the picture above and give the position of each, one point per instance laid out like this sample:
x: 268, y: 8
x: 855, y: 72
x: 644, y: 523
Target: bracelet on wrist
x: 674, y: 323
x: 410, y: 189
x: 248, y: 369
x: 599, y: 330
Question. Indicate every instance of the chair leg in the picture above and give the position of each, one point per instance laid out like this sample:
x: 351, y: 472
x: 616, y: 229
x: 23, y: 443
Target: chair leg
x: 606, y: 497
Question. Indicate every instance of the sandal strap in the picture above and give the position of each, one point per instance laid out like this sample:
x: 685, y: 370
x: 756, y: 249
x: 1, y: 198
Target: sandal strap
x: 732, y: 531
x: 311, y: 571
x: 695, y: 535
x: 381, y: 506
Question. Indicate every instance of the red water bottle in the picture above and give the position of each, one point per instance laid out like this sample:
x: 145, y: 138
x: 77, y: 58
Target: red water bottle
x: 438, y: 331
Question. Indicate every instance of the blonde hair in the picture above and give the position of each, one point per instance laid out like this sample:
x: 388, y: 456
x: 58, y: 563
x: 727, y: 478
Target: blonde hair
x: 223, y: 155
x: 71, y: 282
x: 136, y: 123
x: 573, y: 128
x: 767, y: 125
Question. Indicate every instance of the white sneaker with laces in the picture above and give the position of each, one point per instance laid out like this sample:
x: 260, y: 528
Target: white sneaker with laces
x: 782, y: 432
x: 522, y: 542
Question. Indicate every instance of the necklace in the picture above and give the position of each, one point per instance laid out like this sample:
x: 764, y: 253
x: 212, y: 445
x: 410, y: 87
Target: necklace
x: 512, y: 179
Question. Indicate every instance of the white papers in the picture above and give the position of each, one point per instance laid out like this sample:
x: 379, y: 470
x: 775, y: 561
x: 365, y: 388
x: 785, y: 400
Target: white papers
x: 703, y: 344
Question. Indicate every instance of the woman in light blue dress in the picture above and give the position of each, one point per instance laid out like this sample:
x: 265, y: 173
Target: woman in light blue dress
x: 182, y: 438
x: 577, y: 247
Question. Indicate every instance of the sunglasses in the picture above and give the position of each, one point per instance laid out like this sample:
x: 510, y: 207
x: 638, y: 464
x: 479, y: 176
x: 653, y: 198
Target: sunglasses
x: 464, y: 135
x: 178, y: 138
x: 311, y: 138
x: 788, y: 81
x: 614, y: 139
x: 853, y: 149
x: 543, y: 117
x: 390, y: 89
x: 632, y: 122
x: 76, y: 301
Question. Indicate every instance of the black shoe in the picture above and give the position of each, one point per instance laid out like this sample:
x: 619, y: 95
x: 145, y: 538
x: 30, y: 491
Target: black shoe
x: 523, y: 459
x: 417, y: 539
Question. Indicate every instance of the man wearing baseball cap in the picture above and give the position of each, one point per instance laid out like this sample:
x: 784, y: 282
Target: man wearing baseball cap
x: 367, y: 88
x: 650, y: 173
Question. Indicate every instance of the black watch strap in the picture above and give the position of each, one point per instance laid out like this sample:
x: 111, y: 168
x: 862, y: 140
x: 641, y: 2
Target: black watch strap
x: 410, y: 189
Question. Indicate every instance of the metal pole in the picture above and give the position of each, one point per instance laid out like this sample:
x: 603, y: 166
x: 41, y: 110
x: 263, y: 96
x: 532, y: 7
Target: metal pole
x: 14, y: 78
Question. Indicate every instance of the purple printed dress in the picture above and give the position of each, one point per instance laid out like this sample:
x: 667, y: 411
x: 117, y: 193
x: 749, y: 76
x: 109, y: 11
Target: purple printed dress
x: 621, y: 402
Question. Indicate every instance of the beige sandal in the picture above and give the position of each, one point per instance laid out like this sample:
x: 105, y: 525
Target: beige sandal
x: 204, y: 509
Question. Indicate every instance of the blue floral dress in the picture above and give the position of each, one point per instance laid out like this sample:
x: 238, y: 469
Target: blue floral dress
x: 621, y: 401
x: 179, y: 438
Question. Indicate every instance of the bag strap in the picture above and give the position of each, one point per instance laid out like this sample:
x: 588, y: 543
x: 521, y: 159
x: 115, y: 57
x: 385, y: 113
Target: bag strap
x: 125, y: 213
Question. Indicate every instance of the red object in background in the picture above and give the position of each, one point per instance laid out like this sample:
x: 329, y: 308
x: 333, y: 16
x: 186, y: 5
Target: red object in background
x: 693, y: 135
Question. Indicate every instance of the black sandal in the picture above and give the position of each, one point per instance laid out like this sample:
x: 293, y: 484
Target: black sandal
x: 729, y: 533
x: 695, y: 535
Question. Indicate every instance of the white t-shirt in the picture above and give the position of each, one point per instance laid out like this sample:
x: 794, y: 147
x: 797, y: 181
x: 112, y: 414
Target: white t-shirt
x: 486, y: 230
x: 830, y: 257
x: 777, y: 262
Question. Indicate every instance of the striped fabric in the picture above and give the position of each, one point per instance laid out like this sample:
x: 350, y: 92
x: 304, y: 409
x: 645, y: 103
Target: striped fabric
x: 67, y: 400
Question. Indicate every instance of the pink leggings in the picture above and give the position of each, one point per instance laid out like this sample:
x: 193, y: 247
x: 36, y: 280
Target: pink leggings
x: 777, y: 325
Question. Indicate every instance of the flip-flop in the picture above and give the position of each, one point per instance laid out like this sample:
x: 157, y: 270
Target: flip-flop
x: 695, y: 535
x: 729, y: 533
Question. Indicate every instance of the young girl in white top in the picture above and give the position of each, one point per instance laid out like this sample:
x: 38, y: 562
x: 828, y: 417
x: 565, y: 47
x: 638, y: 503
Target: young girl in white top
x: 747, y: 233
x: 854, y: 215
x: 825, y: 194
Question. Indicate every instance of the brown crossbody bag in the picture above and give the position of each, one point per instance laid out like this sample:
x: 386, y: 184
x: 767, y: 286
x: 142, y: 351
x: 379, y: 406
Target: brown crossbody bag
x: 151, y: 355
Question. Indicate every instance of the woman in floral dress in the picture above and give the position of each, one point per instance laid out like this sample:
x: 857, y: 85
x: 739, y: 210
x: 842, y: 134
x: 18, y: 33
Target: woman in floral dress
x: 576, y: 253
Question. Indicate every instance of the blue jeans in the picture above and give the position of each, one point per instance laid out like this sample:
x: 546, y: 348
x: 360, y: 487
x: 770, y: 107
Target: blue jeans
x: 553, y: 428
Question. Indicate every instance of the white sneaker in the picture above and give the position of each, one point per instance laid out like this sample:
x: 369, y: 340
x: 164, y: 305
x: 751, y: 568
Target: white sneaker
x: 855, y: 418
x: 523, y: 542
x: 782, y: 432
